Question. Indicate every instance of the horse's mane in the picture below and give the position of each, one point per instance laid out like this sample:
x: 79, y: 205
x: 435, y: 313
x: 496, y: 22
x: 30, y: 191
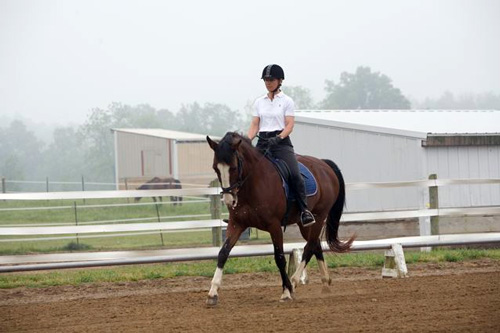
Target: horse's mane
x: 235, y: 135
x: 225, y: 150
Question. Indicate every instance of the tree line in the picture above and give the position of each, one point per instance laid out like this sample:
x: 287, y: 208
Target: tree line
x: 88, y: 149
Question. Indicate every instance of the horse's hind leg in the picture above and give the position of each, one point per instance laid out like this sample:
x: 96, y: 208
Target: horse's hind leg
x: 311, y: 248
x: 323, y: 270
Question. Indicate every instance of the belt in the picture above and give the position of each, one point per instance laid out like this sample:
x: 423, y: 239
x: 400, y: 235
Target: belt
x: 267, y: 135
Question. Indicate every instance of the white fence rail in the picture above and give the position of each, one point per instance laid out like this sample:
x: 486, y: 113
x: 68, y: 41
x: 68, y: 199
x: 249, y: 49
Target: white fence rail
x: 204, y: 224
x: 77, y: 195
x: 81, y: 260
x: 214, y: 191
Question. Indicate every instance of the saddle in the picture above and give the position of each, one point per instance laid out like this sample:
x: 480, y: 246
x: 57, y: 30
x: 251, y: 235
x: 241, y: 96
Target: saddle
x: 311, y: 186
x: 310, y: 183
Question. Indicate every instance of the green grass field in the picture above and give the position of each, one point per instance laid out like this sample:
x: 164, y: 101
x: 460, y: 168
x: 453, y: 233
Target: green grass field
x: 62, y: 212
x: 234, y: 265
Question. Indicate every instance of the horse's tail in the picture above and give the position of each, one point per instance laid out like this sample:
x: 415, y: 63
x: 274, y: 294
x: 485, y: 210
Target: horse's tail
x: 332, y: 224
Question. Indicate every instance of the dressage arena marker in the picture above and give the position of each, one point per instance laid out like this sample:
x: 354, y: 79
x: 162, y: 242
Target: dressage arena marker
x: 395, y: 264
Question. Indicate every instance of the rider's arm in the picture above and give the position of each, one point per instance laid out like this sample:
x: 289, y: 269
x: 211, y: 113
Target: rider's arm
x: 254, y: 127
x: 289, y: 122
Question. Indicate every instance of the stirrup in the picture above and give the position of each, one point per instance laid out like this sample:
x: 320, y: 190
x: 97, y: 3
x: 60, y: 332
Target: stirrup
x: 307, y: 218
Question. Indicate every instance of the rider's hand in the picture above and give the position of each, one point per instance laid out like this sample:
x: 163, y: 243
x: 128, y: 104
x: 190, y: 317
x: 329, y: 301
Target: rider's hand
x: 274, y: 141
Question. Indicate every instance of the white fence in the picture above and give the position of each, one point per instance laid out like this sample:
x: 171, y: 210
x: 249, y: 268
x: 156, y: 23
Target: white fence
x: 97, y: 259
x: 214, y: 191
x: 251, y: 250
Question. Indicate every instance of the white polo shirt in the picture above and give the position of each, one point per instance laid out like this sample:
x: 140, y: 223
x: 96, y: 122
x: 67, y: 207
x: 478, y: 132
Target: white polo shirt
x: 272, y: 113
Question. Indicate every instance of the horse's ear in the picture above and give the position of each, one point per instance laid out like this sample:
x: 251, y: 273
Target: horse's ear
x: 236, y: 145
x: 211, y: 143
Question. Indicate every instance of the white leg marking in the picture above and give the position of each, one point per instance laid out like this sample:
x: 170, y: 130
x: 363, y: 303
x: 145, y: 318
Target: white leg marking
x: 286, y: 296
x: 216, y: 282
x: 323, y: 269
x: 298, y: 273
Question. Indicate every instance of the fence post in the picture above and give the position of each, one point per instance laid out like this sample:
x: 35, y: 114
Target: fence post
x: 215, y: 212
x: 83, y: 188
x: 434, y: 204
x: 159, y: 220
x: 4, y: 188
x: 126, y: 188
x: 76, y: 221
x: 47, y: 183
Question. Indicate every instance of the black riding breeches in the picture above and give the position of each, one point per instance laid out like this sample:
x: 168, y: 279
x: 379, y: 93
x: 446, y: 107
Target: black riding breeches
x: 284, y: 151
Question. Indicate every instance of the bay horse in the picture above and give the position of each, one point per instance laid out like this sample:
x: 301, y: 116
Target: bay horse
x: 253, y: 192
x: 158, y: 183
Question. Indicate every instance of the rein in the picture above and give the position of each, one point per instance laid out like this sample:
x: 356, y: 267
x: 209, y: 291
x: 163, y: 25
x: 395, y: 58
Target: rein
x: 242, y: 180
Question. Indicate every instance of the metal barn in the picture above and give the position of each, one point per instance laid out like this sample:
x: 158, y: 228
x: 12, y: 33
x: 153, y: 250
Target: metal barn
x: 141, y: 154
x: 404, y: 145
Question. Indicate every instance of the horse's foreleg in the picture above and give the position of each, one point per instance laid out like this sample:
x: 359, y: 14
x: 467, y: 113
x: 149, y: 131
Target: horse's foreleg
x: 279, y: 258
x: 233, y: 233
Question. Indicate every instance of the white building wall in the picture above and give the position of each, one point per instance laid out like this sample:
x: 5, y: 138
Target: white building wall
x: 142, y: 156
x: 368, y: 156
x: 463, y: 163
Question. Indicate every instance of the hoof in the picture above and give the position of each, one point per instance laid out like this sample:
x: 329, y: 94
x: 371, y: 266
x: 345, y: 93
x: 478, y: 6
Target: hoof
x: 326, y: 290
x: 212, y: 301
x: 286, y: 299
x: 286, y: 296
x: 326, y: 282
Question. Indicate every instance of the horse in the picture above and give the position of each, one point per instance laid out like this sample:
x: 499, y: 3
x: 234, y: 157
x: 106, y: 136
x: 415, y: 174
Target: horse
x: 253, y: 192
x: 161, y: 184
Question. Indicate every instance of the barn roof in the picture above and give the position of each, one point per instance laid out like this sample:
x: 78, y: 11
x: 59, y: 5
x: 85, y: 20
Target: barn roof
x: 411, y: 121
x: 163, y: 133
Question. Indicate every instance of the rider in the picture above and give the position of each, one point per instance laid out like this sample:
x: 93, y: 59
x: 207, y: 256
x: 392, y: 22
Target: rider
x: 273, y: 119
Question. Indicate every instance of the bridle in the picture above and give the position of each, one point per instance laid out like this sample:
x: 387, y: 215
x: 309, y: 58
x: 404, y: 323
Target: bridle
x: 239, y: 183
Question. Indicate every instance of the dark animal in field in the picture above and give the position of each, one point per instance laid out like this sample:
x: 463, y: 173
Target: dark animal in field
x: 158, y: 183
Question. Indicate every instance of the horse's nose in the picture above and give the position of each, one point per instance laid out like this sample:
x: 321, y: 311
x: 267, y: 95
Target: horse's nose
x: 230, y: 199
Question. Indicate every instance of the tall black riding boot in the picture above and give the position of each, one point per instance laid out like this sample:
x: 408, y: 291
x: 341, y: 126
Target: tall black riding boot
x: 306, y: 217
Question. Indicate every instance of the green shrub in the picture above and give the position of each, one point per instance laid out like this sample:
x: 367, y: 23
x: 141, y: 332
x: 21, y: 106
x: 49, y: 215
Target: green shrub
x: 453, y: 257
x: 73, y: 246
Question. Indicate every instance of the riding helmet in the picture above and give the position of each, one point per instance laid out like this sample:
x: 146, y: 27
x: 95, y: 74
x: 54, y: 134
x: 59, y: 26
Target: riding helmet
x: 273, y: 71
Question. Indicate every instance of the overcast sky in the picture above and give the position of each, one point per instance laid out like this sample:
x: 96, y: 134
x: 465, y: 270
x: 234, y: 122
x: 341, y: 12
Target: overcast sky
x: 60, y: 59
